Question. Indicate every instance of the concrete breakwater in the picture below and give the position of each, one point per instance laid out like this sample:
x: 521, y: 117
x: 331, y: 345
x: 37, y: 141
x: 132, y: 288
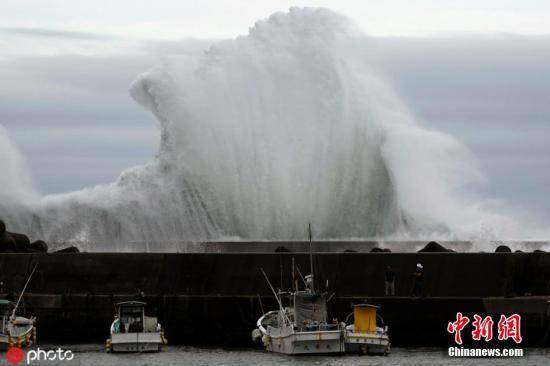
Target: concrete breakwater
x: 215, y: 298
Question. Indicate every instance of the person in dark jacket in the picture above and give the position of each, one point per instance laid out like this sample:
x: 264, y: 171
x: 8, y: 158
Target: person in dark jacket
x: 389, y: 281
x: 418, y: 277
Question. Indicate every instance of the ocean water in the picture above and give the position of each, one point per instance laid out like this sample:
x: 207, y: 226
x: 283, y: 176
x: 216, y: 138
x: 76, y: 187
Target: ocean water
x: 94, y: 355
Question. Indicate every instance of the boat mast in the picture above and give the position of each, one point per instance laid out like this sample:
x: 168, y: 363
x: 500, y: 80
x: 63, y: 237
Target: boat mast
x: 23, y: 292
x: 311, y: 261
x: 281, y: 307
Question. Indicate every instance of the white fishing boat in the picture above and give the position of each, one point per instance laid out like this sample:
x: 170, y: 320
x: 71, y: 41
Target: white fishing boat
x: 15, y: 331
x: 301, y: 327
x: 368, y: 334
x: 133, y: 331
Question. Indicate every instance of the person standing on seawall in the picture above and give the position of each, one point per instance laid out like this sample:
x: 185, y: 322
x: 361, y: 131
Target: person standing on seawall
x: 390, y: 281
x: 418, y: 277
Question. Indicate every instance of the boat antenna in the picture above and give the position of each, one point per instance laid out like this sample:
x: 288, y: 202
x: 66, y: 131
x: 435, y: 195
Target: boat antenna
x: 23, y: 292
x: 301, y: 276
x: 311, y: 261
x: 281, y: 307
x: 281, y: 273
x: 294, y: 280
x: 295, y: 273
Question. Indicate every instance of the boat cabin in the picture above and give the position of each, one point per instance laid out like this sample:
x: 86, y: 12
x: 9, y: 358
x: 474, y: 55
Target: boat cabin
x: 133, y: 331
x: 365, y: 317
x: 131, y: 316
x: 5, y: 313
x: 309, y: 309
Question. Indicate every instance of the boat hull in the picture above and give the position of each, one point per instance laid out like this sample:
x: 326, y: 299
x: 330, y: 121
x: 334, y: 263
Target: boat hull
x: 367, y: 343
x: 21, y: 336
x: 5, y: 343
x: 136, y: 342
x: 302, y: 343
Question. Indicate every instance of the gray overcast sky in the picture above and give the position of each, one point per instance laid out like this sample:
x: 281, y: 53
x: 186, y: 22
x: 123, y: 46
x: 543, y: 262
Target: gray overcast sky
x: 479, y: 70
x: 171, y: 19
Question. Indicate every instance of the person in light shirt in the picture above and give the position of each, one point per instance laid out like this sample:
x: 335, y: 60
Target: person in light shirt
x: 418, y: 277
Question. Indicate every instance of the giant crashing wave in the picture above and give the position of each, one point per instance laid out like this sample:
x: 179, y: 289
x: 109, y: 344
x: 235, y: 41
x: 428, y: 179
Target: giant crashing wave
x: 264, y: 134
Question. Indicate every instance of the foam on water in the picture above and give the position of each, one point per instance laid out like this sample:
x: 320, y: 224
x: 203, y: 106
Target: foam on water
x: 265, y: 133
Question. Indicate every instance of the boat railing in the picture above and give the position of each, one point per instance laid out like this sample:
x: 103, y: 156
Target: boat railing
x: 318, y: 327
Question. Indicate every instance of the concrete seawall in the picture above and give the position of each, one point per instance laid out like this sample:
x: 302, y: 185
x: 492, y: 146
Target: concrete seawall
x: 215, y: 298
